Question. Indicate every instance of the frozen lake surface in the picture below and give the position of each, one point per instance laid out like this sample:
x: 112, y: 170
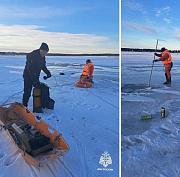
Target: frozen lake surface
x: 149, y: 147
x: 88, y: 118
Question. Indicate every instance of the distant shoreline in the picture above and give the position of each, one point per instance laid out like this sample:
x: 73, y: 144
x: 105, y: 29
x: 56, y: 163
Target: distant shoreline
x: 59, y: 54
x: 146, y: 50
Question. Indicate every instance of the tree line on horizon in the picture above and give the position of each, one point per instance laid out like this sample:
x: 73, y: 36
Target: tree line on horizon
x: 146, y: 50
x: 60, y: 54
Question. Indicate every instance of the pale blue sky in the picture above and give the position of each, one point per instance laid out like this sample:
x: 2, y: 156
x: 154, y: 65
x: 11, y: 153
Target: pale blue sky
x: 67, y: 26
x: 143, y: 22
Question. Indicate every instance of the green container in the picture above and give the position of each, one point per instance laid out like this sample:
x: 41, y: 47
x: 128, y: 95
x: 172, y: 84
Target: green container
x: 146, y: 117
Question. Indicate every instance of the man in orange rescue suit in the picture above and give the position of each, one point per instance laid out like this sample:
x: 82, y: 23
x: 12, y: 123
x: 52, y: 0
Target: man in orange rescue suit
x: 87, y: 73
x: 166, y: 59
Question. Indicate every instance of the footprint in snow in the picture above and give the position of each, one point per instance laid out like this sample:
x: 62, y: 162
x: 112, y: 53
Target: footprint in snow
x: 166, y: 130
x: 1, y: 155
x: 139, y: 140
x: 127, y: 141
x: 52, y: 116
x: 177, y: 121
x: 9, y: 160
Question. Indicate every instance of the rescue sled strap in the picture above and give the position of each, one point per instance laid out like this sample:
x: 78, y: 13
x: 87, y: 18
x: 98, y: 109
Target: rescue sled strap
x: 56, y: 138
x: 7, y: 118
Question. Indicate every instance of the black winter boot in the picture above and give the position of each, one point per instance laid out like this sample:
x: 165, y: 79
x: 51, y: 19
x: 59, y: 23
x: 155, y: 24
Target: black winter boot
x: 167, y: 81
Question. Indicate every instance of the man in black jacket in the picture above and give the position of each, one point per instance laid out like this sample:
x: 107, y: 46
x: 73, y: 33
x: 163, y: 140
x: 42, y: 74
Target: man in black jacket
x: 34, y: 64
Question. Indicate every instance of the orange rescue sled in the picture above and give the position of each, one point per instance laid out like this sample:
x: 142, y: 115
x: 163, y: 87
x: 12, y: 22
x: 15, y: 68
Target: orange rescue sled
x: 17, y: 115
x: 84, y: 84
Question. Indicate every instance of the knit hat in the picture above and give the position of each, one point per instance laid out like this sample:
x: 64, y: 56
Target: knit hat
x: 88, y: 60
x: 44, y: 46
x: 163, y: 49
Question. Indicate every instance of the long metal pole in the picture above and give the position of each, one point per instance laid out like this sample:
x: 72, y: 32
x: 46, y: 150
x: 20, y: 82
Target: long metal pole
x: 153, y: 62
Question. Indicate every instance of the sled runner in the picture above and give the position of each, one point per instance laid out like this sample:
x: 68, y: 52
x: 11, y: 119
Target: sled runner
x: 37, y: 141
x: 84, y: 84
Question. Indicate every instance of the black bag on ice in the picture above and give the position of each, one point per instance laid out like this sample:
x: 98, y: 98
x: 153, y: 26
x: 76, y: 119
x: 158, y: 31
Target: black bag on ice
x: 46, y: 101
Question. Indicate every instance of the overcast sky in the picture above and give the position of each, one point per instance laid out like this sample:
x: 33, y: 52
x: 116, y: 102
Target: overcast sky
x: 67, y: 26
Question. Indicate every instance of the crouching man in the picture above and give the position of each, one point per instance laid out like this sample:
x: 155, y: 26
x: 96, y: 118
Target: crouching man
x: 87, y: 73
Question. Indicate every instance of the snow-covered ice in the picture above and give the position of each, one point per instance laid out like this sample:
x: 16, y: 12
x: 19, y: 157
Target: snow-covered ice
x: 88, y: 118
x: 149, y: 148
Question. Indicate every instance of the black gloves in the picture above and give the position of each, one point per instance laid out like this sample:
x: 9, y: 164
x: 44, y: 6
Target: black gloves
x: 36, y: 84
x: 158, y: 55
x: 155, y: 54
x: 155, y: 60
x: 46, y: 77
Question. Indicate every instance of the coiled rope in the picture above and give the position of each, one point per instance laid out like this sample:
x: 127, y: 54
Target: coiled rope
x: 11, y: 96
x: 53, y: 88
x: 49, y: 86
x: 22, y: 90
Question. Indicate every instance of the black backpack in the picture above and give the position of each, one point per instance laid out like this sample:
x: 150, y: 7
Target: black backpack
x: 46, y: 101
